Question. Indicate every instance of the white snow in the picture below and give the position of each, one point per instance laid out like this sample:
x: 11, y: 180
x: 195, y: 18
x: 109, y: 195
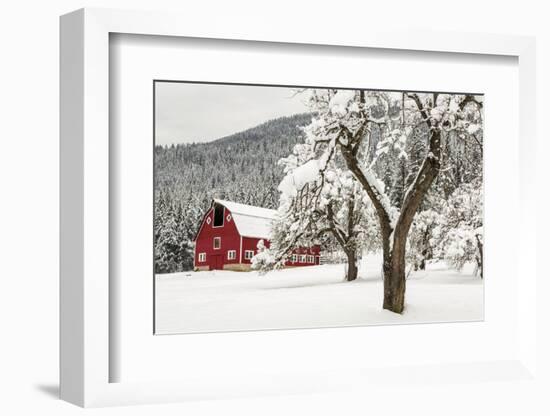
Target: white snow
x: 453, y: 105
x: 248, y: 210
x: 256, y: 227
x: 309, y: 297
x: 379, y: 187
x: 437, y: 113
x: 295, y: 180
x: 251, y: 221
x: 473, y: 128
x: 340, y: 101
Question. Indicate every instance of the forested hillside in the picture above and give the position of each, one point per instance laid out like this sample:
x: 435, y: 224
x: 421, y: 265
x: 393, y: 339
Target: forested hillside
x: 241, y: 167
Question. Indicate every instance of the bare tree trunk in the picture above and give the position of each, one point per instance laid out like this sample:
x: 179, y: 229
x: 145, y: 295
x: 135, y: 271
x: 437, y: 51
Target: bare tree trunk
x: 480, y: 257
x: 394, y: 267
x: 352, y: 270
x: 424, y: 252
x: 422, y: 265
x: 394, y: 288
x: 346, y: 240
x: 394, y: 275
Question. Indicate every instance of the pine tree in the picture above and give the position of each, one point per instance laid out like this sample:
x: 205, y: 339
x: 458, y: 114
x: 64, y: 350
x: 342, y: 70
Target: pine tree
x: 241, y: 167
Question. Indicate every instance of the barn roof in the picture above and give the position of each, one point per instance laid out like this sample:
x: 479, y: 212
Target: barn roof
x: 251, y: 221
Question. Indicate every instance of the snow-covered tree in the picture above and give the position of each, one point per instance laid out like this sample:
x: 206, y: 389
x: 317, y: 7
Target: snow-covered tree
x: 459, y: 235
x: 319, y: 204
x: 420, y: 242
x: 346, y: 123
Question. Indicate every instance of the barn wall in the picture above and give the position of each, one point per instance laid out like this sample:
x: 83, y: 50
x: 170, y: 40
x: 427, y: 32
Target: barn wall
x: 231, y: 240
x: 204, y: 243
x: 252, y: 244
x: 314, y: 251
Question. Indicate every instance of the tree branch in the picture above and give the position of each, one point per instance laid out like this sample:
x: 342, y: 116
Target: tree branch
x: 469, y: 99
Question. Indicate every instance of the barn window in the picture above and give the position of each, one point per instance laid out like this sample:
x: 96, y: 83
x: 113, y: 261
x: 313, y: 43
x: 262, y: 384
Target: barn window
x: 302, y: 258
x: 202, y: 257
x: 231, y: 255
x: 248, y: 254
x: 294, y: 258
x: 218, y: 215
x: 217, y: 243
x: 310, y: 259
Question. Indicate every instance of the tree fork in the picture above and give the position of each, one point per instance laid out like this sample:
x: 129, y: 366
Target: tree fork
x: 394, y: 295
x: 394, y: 255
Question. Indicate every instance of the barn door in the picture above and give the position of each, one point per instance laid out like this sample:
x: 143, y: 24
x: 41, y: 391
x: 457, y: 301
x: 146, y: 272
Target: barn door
x: 218, y: 262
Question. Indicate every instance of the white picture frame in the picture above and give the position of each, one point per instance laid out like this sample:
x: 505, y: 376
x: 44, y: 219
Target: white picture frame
x: 85, y: 355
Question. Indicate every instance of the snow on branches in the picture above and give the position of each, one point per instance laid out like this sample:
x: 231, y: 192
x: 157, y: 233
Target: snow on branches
x: 376, y: 154
x: 320, y: 203
x: 394, y: 145
x: 459, y: 233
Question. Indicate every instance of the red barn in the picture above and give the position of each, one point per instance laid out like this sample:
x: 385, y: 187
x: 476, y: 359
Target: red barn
x: 229, y: 234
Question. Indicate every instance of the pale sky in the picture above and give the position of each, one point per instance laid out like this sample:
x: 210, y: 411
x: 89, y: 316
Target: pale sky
x: 187, y: 112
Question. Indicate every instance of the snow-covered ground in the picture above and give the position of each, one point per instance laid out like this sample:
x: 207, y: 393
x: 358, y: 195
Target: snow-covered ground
x: 309, y: 297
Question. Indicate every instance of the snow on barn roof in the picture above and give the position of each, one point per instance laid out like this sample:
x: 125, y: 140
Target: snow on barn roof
x: 251, y: 221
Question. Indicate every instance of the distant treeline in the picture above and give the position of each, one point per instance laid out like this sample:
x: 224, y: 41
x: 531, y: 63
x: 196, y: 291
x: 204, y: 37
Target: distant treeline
x: 241, y: 167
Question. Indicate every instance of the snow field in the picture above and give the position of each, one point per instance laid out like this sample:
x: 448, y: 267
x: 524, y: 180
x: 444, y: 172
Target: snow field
x: 309, y: 297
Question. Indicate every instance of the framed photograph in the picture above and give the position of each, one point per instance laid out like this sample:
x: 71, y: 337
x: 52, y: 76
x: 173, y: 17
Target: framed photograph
x: 263, y: 221
x: 292, y: 198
